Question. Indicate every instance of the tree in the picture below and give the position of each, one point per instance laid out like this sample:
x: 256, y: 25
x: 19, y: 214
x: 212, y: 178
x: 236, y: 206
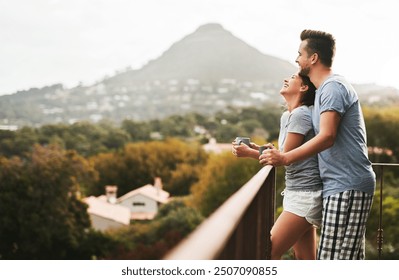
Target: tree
x: 139, y: 163
x: 19, y: 142
x: 182, y: 178
x: 41, y: 215
x: 390, y: 216
x: 138, y: 131
x: 383, y: 131
x: 152, y: 240
x: 221, y: 177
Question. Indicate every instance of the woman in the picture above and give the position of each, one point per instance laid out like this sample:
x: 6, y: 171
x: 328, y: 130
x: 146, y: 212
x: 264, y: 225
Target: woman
x: 302, y: 203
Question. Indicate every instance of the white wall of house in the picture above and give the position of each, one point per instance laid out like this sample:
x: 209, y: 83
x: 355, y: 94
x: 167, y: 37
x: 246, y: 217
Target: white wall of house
x: 102, y: 224
x: 140, y: 203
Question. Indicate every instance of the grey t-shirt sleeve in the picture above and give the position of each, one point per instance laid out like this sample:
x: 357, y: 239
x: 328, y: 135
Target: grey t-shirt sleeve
x: 335, y: 97
x: 300, y: 121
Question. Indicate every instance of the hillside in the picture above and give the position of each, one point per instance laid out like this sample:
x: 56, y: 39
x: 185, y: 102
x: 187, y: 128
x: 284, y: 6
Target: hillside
x: 206, y: 71
x: 210, y: 54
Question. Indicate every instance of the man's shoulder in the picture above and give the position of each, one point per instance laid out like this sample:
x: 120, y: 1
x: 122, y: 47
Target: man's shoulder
x: 336, y: 82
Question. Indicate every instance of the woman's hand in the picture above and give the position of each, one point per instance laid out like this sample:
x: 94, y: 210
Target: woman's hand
x: 244, y: 150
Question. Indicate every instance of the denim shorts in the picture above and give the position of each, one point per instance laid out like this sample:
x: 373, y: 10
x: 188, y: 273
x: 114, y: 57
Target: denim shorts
x: 307, y: 204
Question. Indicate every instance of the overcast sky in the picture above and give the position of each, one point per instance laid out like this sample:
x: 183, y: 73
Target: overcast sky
x: 43, y: 42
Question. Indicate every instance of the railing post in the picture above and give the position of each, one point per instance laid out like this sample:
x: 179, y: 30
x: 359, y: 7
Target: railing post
x: 380, y: 232
x: 270, y: 190
x: 251, y: 238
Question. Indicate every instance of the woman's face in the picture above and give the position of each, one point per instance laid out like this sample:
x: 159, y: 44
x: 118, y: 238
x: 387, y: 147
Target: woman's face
x: 292, y: 85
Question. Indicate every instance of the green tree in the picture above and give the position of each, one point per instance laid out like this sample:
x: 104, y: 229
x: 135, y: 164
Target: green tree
x: 221, y: 177
x: 390, y: 218
x: 139, y: 163
x: 138, y: 131
x: 115, y: 139
x: 41, y: 215
x: 18, y: 143
x: 152, y: 240
x: 7, y: 142
x: 383, y: 131
x: 84, y: 137
x: 228, y: 132
x: 183, y: 177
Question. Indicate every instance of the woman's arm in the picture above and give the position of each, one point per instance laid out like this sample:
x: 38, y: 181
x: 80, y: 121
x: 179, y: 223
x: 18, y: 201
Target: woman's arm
x: 292, y: 141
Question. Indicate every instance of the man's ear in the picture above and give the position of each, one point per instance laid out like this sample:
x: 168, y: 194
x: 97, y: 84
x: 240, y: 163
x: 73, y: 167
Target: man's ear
x: 314, y: 58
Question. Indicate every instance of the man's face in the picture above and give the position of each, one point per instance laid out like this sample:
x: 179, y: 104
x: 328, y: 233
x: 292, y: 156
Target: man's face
x: 303, y: 59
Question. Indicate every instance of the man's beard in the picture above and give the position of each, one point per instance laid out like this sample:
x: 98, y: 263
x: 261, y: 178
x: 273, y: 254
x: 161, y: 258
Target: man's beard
x: 305, y: 71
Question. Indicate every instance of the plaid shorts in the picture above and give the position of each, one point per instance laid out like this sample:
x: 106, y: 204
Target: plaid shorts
x: 344, y: 226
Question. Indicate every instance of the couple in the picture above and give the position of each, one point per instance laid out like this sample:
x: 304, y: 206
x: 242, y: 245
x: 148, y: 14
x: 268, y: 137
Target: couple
x: 329, y: 179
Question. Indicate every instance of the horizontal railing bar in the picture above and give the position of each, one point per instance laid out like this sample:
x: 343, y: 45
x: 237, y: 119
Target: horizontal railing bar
x: 385, y: 164
x: 211, y: 236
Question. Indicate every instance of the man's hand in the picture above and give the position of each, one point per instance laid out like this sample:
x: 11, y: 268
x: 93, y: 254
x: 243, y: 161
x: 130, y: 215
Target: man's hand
x: 272, y: 157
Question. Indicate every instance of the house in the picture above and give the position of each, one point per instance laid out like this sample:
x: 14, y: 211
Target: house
x: 144, y: 202
x: 213, y: 147
x: 105, y: 215
x: 107, y: 211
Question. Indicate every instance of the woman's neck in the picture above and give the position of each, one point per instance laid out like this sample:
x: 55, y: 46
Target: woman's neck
x: 293, y: 103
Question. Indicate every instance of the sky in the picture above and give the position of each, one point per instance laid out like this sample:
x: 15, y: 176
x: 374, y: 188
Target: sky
x: 43, y: 42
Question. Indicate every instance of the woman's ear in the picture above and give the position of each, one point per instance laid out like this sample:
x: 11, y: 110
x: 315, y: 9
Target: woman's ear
x: 304, y: 88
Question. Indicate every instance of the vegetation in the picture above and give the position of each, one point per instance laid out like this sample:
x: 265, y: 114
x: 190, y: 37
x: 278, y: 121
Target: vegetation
x: 136, y: 164
x: 41, y: 215
x: 45, y: 171
x: 220, y: 178
x: 151, y: 241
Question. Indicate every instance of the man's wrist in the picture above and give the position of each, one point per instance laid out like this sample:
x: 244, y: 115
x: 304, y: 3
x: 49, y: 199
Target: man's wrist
x: 286, y: 159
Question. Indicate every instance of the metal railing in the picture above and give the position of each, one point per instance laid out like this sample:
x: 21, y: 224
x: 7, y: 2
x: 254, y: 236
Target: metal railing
x: 239, y: 229
x: 380, y: 231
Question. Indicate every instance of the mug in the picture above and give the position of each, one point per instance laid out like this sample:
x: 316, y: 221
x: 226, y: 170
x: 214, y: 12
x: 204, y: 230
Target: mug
x: 262, y: 148
x: 245, y: 140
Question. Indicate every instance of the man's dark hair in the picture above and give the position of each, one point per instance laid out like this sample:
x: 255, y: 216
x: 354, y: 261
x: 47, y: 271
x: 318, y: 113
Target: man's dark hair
x: 308, y: 98
x: 320, y: 42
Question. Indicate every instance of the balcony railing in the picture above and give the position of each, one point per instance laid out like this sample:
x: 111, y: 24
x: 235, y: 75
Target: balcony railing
x: 380, y: 182
x: 239, y: 229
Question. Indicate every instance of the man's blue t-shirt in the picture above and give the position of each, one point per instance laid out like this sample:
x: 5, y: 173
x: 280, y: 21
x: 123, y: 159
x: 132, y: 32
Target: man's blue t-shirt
x: 345, y: 165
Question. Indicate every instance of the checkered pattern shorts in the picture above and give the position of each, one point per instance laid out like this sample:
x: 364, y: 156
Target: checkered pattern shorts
x: 344, y: 226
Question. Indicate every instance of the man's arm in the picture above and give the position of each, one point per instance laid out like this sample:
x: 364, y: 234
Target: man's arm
x: 329, y: 122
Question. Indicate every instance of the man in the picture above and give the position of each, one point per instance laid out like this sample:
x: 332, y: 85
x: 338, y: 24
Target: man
x: 340, y: 142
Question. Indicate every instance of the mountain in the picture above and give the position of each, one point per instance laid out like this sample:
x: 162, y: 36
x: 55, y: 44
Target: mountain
x: 211, y: 54
x: 206, y: 71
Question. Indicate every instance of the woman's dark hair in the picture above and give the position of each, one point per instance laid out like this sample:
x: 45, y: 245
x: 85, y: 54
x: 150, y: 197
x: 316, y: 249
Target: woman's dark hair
x: 308, y: 98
